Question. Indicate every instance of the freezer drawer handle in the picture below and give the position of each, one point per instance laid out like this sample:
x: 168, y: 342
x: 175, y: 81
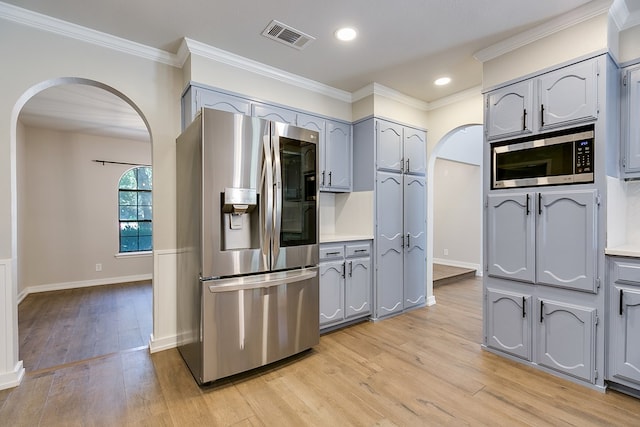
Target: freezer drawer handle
x: 229, y: 285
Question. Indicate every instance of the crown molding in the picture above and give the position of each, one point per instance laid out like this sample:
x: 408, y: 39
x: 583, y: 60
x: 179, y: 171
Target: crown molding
x: 381, y: 90
x: 456, y: 97
x: 624, y: 15
x: 67, y: 29
x: 219, y: 55
x: 569, y: 19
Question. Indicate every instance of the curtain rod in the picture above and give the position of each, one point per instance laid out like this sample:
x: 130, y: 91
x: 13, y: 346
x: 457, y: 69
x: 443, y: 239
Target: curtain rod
x: 118, y: 163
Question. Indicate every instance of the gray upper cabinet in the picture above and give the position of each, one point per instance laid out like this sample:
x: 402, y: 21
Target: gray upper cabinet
x: 195, y: 98
x: 334, y: 154
x: 415, y: 155
x: 566, y: 338
x: 509, y: 322
x: 511, y: 233
x: 546, y: 237
x: 389, y: 138
x: 389, y: 238
x: 510, y: 110
x: 624, y: 321
x: 566, y: 239
x: 631, y: 122
x: 277, y: 114
x: 563, y: 97
x: 337, y: 162
x: 569, y: 95
x: 415, y: 245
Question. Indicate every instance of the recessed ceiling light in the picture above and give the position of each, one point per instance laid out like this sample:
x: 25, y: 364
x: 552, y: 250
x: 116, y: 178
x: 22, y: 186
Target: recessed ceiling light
x: 442, y: 81
x: 346, y: 34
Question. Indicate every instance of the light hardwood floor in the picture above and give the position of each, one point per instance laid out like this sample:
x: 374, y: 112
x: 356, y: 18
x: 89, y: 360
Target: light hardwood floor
x: 421, y: 368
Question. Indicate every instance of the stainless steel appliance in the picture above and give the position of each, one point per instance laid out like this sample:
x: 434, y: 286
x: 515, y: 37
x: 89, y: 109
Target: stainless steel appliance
x: 247, y: 232
x: 559, y: 158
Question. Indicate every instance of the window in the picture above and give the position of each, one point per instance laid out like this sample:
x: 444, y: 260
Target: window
x: 135, y: 210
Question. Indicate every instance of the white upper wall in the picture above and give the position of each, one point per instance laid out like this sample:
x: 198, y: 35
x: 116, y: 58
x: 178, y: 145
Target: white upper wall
x: 465, y: 146
x: 629, y: 44
x: 579, y: 40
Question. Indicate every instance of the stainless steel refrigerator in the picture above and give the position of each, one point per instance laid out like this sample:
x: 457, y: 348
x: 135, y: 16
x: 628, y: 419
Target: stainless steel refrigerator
x: 247, y: 234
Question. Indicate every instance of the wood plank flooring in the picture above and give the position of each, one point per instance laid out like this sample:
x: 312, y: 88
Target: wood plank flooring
x: 421, y: 368
x: 61, y: 327
x: 445, y: 274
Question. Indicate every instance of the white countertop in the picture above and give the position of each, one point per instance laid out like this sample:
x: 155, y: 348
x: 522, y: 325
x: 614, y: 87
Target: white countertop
x: 333, y: 238
x: 630, y: 249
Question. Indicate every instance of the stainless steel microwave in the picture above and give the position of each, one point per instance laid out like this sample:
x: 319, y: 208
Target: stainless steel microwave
x: 544, y: 160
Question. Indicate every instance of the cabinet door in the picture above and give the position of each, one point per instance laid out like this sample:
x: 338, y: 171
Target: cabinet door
x: 338, y: 156
x: 277, y: 114
x: 415, y: 226
x: 318, y: 124
x: 222, y: 101
x: 509, y: 322
x: 624, y: 332
x: 389, y: 240
x: 631, y: 109
x: 566, y: 242
x: 510, y: 110
x: 331, y: 292
x: 415, y: 154
x: 358, y: 287
x: 566, y: 338
x: 569, y: 95
x: 511, y: 236
x: 389, y: 146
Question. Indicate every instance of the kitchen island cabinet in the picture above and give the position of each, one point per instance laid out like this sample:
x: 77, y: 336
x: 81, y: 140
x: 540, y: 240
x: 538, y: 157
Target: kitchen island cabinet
x: 623, y: 367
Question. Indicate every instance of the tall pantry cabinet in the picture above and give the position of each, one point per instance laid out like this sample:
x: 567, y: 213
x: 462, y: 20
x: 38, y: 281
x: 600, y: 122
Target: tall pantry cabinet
x: 390, y: 159
x: 544, y: 302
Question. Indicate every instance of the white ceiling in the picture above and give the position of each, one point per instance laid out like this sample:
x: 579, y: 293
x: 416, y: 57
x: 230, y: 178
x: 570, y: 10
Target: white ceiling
x: 403, y: 45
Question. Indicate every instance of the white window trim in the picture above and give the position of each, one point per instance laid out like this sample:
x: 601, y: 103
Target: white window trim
x: 139, y: 254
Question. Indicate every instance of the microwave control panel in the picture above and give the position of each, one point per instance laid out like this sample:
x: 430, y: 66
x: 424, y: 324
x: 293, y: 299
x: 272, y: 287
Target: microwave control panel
x: 584, y: 156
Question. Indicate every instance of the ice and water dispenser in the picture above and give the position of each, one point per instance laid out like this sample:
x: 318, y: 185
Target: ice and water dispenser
x: 240, y: 219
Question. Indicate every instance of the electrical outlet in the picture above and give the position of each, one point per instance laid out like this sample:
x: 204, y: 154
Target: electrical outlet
x: 98, y: 267
x: 446, y: 252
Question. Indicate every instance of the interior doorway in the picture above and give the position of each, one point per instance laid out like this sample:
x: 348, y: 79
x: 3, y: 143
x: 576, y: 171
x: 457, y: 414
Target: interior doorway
x: 455, y: 206
x: 75, y: 138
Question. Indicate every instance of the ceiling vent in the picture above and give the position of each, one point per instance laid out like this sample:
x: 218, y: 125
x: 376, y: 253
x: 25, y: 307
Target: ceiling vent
x: 287, y: 35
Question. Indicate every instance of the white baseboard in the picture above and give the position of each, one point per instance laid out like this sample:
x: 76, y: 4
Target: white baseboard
x: 161, y: 344
x: 81, y: 284
x: 462, y: 264
x: 12, y: 379
x: 431, y: 301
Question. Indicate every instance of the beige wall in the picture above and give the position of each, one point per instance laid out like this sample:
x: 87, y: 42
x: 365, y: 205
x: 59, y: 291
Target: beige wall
x: 629, y: 44
x: 582, y: 39
x: 68, y: 209
x: 457, y: 212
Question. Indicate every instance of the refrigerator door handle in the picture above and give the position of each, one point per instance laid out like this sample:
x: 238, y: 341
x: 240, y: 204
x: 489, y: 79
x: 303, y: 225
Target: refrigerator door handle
x: 262, y: 281
x: 277, y: 195
x: 267, y: 185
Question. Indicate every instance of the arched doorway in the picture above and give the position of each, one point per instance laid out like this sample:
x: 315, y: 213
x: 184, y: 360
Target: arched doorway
x: 66, y: 188
x: 456, y: 159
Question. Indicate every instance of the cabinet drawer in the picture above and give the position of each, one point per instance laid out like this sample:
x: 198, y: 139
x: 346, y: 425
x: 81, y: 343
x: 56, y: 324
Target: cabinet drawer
x: 626, y: 272
x: 358, y: 250
x: 331, y: 252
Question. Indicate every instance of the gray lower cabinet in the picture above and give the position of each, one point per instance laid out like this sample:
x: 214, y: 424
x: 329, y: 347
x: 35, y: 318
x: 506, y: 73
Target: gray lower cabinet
x: 509, y: 322
x: 545, y: 237
x: 631, y: 122
x: 566, y: 338
x: 345, y: 282
x: 623, y: 365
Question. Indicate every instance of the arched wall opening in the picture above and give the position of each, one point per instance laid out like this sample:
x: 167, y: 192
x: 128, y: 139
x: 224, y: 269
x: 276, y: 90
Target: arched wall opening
x: 18, y: 291
x: 456, y: 158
